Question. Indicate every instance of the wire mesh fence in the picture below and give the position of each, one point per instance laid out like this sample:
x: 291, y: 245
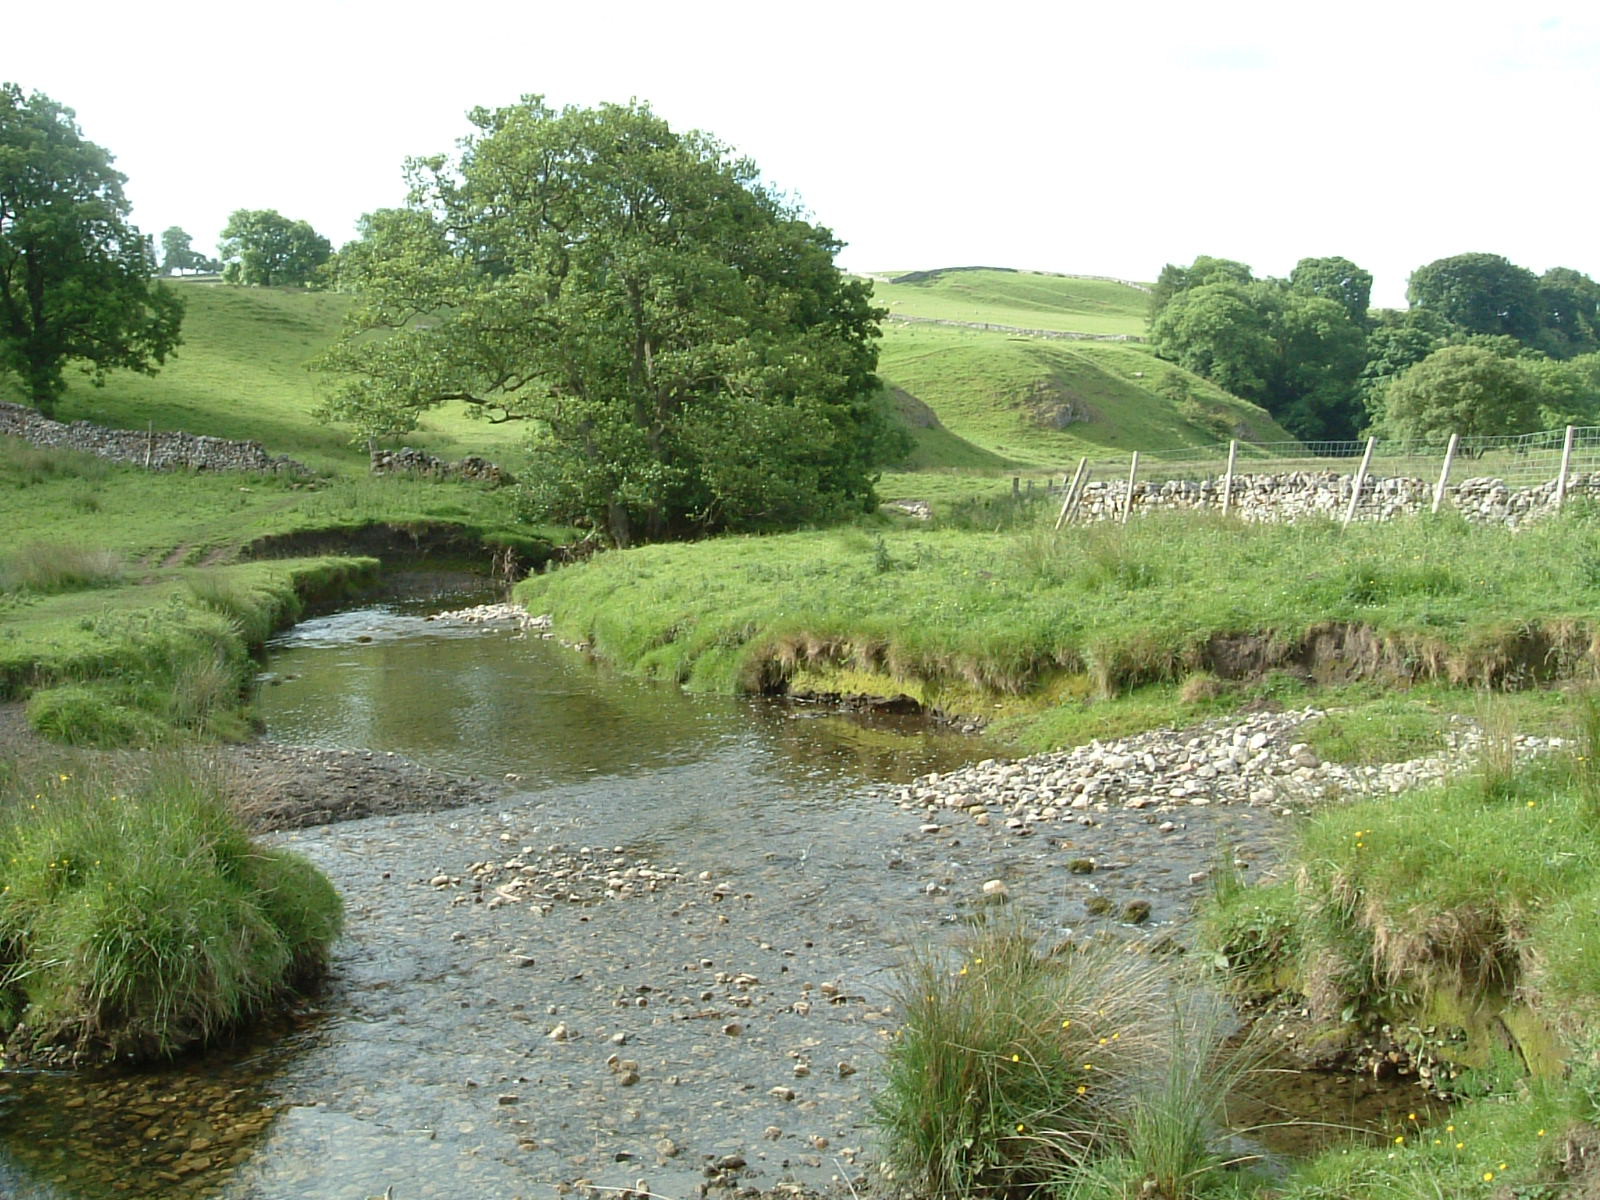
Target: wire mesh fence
x: 1521, y: 461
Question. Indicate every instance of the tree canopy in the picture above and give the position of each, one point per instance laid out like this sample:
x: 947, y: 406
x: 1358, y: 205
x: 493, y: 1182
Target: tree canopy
x: 1337, y: 279
x: 1482, y: 293
x: 1468, y: 390
x: 685, y: 351
x: 179, y: 255
x: 262, y: 246
x: 1292, y: 346
x: 75, y: 275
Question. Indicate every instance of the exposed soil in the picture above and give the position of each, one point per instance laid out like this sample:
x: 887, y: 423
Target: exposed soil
x: 289, y: 787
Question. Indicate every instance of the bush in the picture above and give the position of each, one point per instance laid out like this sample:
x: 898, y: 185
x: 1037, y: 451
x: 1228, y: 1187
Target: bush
x: 138, y: 920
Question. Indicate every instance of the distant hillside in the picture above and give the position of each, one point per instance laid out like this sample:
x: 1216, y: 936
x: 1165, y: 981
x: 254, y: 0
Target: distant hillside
x: 1025, y: 299
x: 977, y: 403
x: 241, y: 373
x: 1003, y: 401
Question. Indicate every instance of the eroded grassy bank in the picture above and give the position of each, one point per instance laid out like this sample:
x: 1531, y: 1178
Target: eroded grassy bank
x: 1038, y: 620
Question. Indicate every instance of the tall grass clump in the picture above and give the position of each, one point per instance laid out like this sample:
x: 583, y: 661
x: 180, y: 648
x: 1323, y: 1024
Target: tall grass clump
x: 1169, y: 1139
x: 252, y: 613
x: 1086, y: 1072
x: 1012, y: 1064
x: 45, y: 569
x: 137, y: 917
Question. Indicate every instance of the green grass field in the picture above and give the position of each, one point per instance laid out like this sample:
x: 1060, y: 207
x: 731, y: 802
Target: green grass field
x: 1024, y: 299
x: 1023, y: 404
x: 981, y: 406
x: 241, y: 373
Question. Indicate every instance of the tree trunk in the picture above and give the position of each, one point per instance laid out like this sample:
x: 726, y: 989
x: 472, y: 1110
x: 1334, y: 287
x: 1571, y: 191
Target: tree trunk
x: 617, y: 521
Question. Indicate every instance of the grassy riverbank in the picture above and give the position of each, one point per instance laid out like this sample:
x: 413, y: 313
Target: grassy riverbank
x: 1454, y: 923
x: 1056, y: 624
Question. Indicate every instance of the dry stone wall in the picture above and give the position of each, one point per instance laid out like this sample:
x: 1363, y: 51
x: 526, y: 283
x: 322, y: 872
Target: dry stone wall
x: 1307, y: 495
x: 157, y: 451
x: 407, y: 461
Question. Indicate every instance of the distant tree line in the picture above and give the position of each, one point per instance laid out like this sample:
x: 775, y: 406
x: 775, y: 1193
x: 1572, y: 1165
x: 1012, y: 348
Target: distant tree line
x: 1486, y: 346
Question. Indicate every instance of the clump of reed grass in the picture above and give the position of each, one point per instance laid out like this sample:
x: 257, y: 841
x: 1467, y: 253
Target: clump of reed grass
x: 1584, y: 758
x: 137, y: 917
x: 45, y: 569
x: 252, y: 614
x: 1497, y: 749
x: 1169, y: 1141
x: 1012, y: 1064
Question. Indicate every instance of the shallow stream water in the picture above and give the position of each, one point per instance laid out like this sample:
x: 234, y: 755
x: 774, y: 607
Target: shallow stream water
x: 669, y: 948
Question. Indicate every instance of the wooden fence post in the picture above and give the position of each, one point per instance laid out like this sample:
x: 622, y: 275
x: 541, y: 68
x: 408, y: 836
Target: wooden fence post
x: 1444, y: 475
x: 1077, y: 497
x: 1566, y: 465
x: 1127, y: 501
x: 1072, y: 491
x: 1361, y: 479
x: 1227, y: 480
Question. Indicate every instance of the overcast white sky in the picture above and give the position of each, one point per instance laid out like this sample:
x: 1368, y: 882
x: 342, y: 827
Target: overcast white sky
x: 1089, y: 138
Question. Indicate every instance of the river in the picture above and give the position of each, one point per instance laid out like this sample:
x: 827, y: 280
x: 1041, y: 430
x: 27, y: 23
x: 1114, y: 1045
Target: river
x: 669, y: 949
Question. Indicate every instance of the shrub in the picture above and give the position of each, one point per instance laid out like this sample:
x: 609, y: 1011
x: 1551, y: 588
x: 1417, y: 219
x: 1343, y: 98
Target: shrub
x: 137, y: 920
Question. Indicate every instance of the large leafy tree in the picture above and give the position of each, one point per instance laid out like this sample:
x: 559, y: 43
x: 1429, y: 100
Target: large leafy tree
x: 178, y: 253
x: 685, y: 351
x: 1399, y: 338
x: 1570, y: 311
x: 75, y: 275
x: 1296, y: 350
x: 262, y: 246
x: 1337, y: 279
x: 1482, y: 293
x: 1468, y: 390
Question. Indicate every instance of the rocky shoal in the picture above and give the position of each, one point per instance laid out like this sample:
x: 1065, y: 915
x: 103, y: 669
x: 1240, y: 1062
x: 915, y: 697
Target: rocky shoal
x: 1260, y: 760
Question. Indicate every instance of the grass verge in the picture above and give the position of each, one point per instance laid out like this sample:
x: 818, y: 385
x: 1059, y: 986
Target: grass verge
x: 1037, y: 620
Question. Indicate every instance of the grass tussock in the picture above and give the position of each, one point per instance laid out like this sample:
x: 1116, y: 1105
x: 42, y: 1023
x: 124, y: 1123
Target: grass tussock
x: 137, y: 917
x: 44, y: 569
x: 1019, y: 1071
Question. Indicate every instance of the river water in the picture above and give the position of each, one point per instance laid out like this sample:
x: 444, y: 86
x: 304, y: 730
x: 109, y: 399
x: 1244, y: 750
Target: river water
x: 668, y: 949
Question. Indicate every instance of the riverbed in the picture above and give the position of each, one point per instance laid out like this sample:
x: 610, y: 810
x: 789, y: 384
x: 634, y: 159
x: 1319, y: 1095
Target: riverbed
x: 663, y: 951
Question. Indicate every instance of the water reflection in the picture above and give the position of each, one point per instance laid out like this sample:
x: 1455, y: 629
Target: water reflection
x: 493, y: 702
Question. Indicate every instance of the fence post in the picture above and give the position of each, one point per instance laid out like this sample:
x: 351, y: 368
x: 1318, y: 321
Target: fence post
x: 1566, y: 464
x: 1127, y: 501
x: 1361, y: 479
x: 1016, y: 487
x: 1444, y: 475
x: 1072, y: 491
x: 1227, y: 480
x: 1077, y: 497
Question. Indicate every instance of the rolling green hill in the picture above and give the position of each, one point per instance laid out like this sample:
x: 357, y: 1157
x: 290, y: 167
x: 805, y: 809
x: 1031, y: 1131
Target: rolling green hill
x: 1025, y: 299
x: 241, y: 373
x: 985, y: 403
x: 980, y: 404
